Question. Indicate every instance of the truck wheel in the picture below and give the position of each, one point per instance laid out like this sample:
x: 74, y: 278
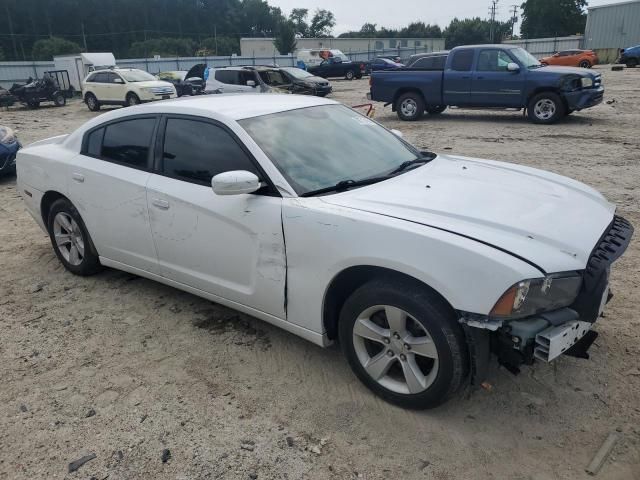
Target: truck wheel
x: 404, y: 343
x: 546, y: 108
x: 92, y: 102
x: 585, y: 64
x: 59, y: 100
x: 436, y: 109
x: 410, y: 106
x: 632, y: 63
x: 33, y: 104
x: 349, y: 75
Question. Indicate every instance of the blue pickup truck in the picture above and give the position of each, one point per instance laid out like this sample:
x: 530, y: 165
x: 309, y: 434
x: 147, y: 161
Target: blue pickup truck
x: 489, y: 76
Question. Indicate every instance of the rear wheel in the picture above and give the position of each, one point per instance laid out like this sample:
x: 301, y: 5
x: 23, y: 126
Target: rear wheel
x: 33, y: 104
x: 349, y: 75
x: 585, y: 64
x: 436, y: 109
x: 632, y: 63
x: 59, y: 100
x: 92, y: 102
x: 70, y: 239
x: 546, y: 108
x: 410, y: 106
x: 403, y: 343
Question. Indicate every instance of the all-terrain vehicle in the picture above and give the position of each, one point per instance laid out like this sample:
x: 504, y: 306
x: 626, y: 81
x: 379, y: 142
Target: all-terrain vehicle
x: 53, y: 87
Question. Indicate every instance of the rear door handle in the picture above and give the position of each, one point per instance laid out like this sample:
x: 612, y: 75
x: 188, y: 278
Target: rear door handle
x: 78, y: 177
x: 161, y: 204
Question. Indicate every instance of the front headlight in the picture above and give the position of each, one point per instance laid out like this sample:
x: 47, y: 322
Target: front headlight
x: 586, y: 82
x: 7, y: 136
x: 538, y: 295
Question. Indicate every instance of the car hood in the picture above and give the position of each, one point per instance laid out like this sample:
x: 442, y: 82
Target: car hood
x: 153, y: 83
x: 313, y: 81
x: 582, y: 72
x: 548, y: 220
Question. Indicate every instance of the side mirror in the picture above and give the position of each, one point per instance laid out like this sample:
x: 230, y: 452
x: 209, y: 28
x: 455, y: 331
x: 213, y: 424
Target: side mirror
x: 513, y: 67
x: 556, y: 54
x: 397, y: 133
x: 236, y: 182
x: 251, y: 83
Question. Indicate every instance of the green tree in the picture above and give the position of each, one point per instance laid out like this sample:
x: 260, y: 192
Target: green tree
x: 285, y: 41
x: 474, y: 30
x: 551, y: 18
x: 298, y: 17
x: 222, y: 45
x: 165, y: 47
x: 368, y: 30
x: 322, y: 23
x: 421, y: 30
x: 46, y: 49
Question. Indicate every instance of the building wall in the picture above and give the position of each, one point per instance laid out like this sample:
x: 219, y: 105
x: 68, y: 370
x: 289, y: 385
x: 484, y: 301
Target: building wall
x: 541, y: 47
x: 613, y: 26
x: 260, y: 47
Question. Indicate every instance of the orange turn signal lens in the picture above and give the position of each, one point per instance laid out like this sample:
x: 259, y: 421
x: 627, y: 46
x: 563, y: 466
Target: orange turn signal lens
x: 504, y: 306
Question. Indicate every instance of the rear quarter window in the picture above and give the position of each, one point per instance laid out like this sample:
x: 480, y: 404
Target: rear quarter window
x: 462, y: 60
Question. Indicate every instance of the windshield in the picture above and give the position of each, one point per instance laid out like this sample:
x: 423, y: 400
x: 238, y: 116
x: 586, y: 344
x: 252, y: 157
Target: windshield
x: 297, y: 72
x: 273, y: 78
x: 525, y: 58
x: 136, y: 76
x: 317, y: 147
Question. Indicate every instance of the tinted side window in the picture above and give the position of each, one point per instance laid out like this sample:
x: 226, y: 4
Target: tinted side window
x: 94, y: 143
x: 244, y: 77
x: 462, y: 60
x: 196, y: 151
x: 230, y: 77
x: 493, y: 61
x: 100, y: 78
x: 128, y: 142
x: 92, y: 78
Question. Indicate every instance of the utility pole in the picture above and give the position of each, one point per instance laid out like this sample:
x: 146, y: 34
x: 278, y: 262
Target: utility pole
x: 215, y: 37
x: 514, y: 19
x: 13, y: 37
x: 84, y: 38
x: 492, y: 14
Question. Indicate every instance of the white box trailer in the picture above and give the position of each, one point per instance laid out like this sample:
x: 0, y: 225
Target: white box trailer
x: 80, y: 65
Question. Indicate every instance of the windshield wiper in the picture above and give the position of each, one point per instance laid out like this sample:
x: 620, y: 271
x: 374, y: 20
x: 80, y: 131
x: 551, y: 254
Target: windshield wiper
x: 425, y: 157
x: 346, y: 185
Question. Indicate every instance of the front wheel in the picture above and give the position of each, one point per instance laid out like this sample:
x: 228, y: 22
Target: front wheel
x: 410, y: 106
x: 585, y: 64
x: 546, y: 108
x: 403, y: 342
x: 70, y: 239
x: 132, y: 99
x: 33, y: 104
x: 59, y: 100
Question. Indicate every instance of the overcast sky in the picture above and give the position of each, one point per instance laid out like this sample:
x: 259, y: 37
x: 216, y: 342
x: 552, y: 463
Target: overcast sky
x: 351, y: 14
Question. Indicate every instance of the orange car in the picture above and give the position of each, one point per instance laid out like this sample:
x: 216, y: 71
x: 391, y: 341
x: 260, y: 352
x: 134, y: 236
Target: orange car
x: 572, y: 58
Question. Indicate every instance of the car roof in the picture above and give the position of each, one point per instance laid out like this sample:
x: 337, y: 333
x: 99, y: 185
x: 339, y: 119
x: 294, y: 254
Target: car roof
x: 238, y: 106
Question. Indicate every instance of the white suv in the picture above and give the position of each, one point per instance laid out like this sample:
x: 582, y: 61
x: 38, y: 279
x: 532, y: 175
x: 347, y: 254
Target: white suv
x: 123, y: 86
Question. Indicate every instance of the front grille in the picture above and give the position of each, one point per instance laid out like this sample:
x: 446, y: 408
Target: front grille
x: 162, y: 90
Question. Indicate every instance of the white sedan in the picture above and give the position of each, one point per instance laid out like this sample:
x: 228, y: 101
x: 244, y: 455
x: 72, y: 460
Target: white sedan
x: 305, y: 214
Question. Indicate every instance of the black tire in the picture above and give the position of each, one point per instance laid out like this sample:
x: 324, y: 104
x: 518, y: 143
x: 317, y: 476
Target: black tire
x: 350, y: 75
x: 92, y: 102
x: 569, y: 112
x: 434, y: 316
x: 359, y: 76
x: 410, y: 106
x: 90, y: 262
x: 33, y: 104
x: 132, y: 99
x: 436, y: 109
x: 585, y: 64
x: 632, y: 63
x: 546, y: 108
x: 59, y: 100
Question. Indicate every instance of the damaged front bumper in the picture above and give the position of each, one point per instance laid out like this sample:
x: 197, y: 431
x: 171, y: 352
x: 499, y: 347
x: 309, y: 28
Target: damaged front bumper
x: 548, y: 335
x: 581, y: 99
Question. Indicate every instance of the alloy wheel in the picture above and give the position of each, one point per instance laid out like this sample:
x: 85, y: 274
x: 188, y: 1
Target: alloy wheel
x: 69, y: 239
x: 395, y: 349
x: 544, y: 109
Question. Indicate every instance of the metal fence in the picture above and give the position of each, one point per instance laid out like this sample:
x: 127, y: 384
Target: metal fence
x: 541, y: 47
x: 19, y: 72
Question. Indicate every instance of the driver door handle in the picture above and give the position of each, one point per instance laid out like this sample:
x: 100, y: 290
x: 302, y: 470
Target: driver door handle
x: 78, y: 177
x: 161, y: 204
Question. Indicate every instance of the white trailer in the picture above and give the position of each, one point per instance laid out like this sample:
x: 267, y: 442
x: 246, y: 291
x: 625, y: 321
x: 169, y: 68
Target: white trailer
x: 80, y: 65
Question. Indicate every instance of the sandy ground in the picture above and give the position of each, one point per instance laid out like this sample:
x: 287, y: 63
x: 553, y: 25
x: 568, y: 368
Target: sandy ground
x: 124, y: 368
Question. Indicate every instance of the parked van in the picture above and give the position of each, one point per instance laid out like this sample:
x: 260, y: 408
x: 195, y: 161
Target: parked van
x: 313, y: 57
